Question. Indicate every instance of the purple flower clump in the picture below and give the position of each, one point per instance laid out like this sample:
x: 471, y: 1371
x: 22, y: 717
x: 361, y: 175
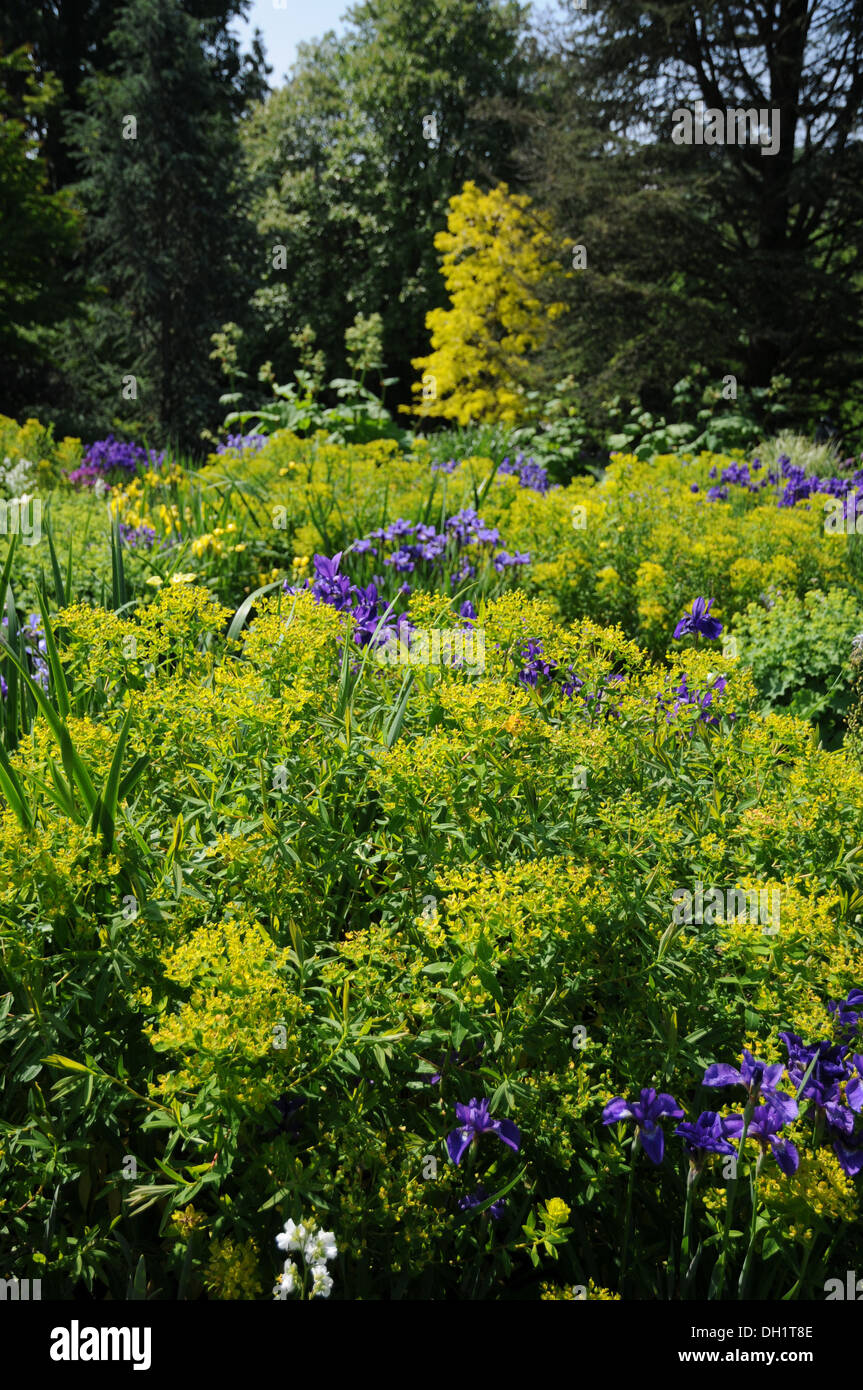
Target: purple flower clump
x: 108, y: 457
x: 529, y: 474
x: 236, y: 443
x: 798, y: 487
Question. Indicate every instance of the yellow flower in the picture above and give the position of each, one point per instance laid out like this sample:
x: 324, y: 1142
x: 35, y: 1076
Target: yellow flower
x: 557, y: 1211
x: 232, y: 1270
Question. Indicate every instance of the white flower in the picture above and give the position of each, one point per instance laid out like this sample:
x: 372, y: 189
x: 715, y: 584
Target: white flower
x: 183, y: 578
x: 15, y: 479
x: 293, y: 1238
x: 287, y: 1281
x: 319, y: 1247
x: 100, y: 488
x: 323, y: 1284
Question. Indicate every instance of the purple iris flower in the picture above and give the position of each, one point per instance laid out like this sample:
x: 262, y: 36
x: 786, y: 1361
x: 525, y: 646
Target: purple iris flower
x: 331, y: 587
x: 850, y: 1160
x: 572, y: 683
x: 705, y: 1135
x: 137, y: 537
x: 474, y: 1120
x: 236, y: 443
x: 468, y: 612
x: 474, y: 1199
x: 399, y: 528
x: 503, y: 560
x: 758, y: 1078
x: 362, y: 546
x: 466, y: 571
x: 365, y: 613
x: 765, y: 1124
x: 34, y: 637
x: 106, y: 455
x: 830, y: 1067
x: 402, y: 561
x: 534, y: 666
x: 645, y: 1113
x: 823, y: 1086
x: 698, y: 620
x: 847, y: 1012
x: 395, y: 631
x: 433, y: 549
x: 529, y: 473
x: 462, y: 522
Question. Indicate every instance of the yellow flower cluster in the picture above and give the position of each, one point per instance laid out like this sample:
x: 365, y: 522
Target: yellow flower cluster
x: 232, y: 1270
x: 241, y: 1020
x: 818, y: 1189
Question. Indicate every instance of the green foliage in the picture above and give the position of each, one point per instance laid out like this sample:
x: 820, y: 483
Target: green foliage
x: 724, y: 254
x: 718, y: 418
x: 799, y: 652
x: 160, y: 158
x: 358, y: 418
x: 39, y: 233
x: 346, y: 180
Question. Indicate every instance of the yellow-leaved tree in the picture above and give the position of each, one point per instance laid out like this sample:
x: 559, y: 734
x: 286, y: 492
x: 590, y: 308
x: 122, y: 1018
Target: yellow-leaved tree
x: 496, y: 262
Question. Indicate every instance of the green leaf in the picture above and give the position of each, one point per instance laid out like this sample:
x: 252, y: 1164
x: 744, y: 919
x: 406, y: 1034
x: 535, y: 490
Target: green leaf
x: 397, y: 719
x: 7, y: 568
x: 134, y: 775
x: 138, y: 1285
x: 58, y: 676
x: 56, y: 1059
x: 75, y: 769
x: 118, y: 573
x: 107, y: 812
x: 59, y: 589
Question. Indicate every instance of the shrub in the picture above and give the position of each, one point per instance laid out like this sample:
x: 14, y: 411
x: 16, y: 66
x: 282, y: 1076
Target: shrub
x: 349, y: 903
x: 799, y: 653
